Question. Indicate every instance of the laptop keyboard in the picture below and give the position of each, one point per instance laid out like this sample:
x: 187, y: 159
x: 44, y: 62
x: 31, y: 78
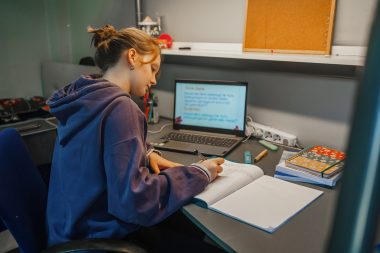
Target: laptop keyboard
x: 200, y: 139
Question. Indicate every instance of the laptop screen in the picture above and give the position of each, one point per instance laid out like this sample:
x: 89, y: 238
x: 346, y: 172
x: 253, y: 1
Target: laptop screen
x: 210, y: 105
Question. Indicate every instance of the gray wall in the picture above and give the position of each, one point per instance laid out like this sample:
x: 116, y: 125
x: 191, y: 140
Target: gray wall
x: 67, y: 22
x: 119, y: 13
x: 223, y: 20
x: 316, y: 108
x: 36, y: 31
x: 23, y: 45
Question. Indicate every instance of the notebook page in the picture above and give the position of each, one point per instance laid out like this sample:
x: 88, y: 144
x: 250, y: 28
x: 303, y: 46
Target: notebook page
x: 233, y: 177
x: 266, y: 203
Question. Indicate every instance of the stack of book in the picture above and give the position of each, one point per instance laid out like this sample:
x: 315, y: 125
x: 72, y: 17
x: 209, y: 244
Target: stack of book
x: 316, y: 165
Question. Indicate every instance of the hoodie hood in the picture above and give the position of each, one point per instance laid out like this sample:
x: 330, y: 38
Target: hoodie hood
x: 79, y: 103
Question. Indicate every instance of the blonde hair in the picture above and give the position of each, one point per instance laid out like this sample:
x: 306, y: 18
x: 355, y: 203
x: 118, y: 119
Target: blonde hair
x: 110, y: 44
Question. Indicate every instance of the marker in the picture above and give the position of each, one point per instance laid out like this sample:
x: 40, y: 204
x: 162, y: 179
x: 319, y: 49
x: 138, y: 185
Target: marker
x: 261, y: 155
x: 268, y: 145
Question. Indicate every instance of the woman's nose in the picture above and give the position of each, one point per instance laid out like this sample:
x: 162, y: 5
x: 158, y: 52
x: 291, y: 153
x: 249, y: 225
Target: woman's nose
x: 153, y: 81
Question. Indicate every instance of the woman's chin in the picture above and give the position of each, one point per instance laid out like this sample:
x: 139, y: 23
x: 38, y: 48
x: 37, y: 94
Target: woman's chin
x: 141, y: 93
x: 138, y: 93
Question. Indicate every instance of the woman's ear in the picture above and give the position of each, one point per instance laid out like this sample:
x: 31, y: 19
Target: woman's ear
x: 132, y: 56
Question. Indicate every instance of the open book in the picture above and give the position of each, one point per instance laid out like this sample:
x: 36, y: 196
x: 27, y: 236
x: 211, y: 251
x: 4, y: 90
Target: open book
x: 244, y: 193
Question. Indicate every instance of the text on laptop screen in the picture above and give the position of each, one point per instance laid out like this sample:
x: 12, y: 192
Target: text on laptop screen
x: 210, y: 105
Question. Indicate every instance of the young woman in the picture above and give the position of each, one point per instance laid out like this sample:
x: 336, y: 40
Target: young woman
x: 106, y: 181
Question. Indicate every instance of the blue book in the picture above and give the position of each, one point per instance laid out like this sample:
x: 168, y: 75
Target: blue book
x: 289, y: 174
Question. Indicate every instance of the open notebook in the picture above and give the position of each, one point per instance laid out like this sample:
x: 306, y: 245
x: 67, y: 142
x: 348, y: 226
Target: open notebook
x: 244, y: 193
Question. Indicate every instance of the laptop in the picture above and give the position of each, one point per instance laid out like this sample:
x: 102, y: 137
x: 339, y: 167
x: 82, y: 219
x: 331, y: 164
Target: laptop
x: 209, y: 117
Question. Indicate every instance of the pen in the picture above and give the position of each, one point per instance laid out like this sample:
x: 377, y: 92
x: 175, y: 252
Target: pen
x: 200, y: 155
x: 261, y: 155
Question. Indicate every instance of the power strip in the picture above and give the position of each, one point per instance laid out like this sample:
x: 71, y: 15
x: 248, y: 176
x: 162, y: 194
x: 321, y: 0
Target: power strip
x: 270, y: 134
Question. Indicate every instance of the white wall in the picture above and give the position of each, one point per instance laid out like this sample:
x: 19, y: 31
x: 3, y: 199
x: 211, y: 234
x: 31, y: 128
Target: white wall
x: 223, y: 20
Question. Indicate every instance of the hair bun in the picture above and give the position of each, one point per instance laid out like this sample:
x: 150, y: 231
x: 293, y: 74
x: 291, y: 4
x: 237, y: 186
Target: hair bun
x: 101, y: 35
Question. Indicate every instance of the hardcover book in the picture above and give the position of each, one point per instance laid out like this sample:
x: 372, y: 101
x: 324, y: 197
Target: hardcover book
x: 318, y: 160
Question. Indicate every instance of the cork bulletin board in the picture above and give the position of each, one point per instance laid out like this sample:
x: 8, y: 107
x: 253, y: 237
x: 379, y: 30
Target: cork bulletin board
x: 289, y: 26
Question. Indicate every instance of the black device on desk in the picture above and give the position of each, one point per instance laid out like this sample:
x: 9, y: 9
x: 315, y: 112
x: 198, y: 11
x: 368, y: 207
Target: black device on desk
x: 14, y: 110
x: 209, y: 117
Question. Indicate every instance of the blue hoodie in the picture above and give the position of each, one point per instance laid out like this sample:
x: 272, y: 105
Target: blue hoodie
x: 100, y: 186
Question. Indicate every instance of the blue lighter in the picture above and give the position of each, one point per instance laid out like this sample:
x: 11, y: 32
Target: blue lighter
x: 247, y: 157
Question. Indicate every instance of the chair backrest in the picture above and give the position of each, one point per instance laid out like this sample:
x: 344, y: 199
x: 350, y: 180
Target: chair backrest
x: 2, y: 226
x: 23, y: 194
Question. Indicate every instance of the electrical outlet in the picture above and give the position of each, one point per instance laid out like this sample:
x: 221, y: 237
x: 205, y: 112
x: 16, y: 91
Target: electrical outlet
x: 270, y: 134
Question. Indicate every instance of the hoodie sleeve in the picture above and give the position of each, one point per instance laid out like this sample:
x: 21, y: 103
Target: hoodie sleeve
x: 134, y: 194
x: 150, y: 149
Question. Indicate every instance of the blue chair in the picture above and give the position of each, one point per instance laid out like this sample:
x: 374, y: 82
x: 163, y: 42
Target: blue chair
x: 23, y: 196
x: 2, y: 227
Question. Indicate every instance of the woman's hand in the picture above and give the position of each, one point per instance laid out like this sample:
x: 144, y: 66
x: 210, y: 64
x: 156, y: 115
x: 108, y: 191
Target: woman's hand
x: 158, y: 163
x: 214, y: 166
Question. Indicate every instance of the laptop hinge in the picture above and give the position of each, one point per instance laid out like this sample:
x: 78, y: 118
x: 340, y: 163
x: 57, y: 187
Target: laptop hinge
x: 208, y: 133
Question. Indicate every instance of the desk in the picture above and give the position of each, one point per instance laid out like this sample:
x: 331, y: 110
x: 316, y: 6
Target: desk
x: 308, y: 231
